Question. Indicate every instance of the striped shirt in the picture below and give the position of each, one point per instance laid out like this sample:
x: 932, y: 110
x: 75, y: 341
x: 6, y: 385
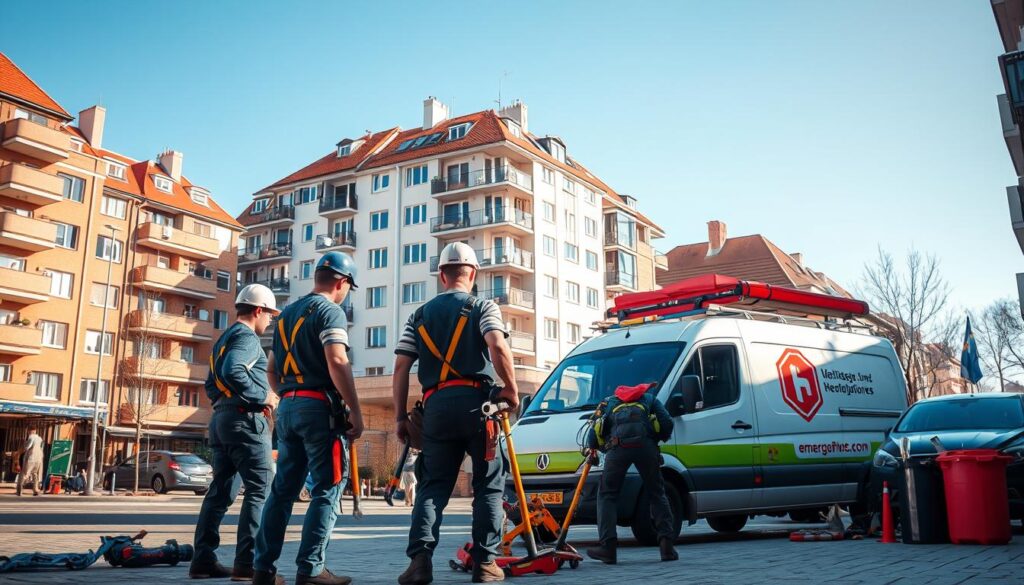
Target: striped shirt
x: 490, y: 320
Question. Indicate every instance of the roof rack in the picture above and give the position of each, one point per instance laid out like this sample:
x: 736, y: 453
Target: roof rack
x: 713, y: 310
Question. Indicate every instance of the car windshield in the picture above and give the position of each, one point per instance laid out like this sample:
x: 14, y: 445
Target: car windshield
x: 582, y: 381
x: 963, y: 414
x: 189, y: 459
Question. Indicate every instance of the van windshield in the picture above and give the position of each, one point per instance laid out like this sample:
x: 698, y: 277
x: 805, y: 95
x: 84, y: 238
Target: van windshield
x: 582, y: 381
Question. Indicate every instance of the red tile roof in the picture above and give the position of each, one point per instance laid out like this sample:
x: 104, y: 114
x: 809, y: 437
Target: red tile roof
x: 331, y: 163
x: 15, y: 83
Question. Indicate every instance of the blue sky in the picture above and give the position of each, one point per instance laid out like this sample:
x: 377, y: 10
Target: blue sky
x: 830, y: 127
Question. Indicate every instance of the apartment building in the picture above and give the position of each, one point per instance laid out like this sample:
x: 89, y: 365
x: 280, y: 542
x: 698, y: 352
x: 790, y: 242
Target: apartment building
x: 103, y: 258
x: 554, y: 242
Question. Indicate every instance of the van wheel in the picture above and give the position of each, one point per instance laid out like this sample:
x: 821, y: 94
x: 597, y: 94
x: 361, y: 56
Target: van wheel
x: 643, y: 525
x: 727, y: 523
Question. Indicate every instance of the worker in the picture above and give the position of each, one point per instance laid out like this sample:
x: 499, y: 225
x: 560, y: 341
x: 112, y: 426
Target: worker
x: 31, y: 462
x: 239, y: 435
x: 629, y: 427
x: 310, y: 370
x: 456, y: 384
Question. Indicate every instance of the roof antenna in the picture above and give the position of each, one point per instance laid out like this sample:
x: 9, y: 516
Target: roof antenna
x: 504, y: 74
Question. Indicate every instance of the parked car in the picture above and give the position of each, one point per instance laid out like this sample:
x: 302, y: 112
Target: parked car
x: 163, y: 471
x: 962, y: 421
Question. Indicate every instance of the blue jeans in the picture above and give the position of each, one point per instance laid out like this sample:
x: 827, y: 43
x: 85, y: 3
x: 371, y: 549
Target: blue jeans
x: 241, y: 445
x: 304, y: 441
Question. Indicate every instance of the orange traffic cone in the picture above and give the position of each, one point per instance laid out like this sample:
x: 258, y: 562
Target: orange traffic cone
x: 888, y: 529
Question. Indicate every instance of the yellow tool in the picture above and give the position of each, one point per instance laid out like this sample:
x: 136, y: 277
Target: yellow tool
x: 357, y: 487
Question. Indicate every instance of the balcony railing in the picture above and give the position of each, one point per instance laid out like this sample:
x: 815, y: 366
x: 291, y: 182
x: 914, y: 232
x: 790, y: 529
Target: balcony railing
x: 20, y: 340
x: 174, y: 240
x: 277, y: 284
x: 167, y: 280
x: 163, y: 369
x: 26, y: 233
x: 342, y: 239
x: 481, y: 218
x: 522, y: 341
x: 276, y: 213
x: 36, y: 140
x: 167, y: 325
x: 31, y: 185
x: 617, y: 278
x: 166, y: 413
x: 17, y: 391
x: 23, y: 287
x: 339, y: 203
x: 616, y: 238
x: 482, y: 177
x: 492, y: 257
x: 512, y: 297
x: 270, y: 251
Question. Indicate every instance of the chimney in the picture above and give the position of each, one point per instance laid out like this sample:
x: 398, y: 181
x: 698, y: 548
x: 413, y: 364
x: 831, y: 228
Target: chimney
x: 171, y: 161
x: 90, y: 122
x: 716, y: 236
x: 517, y: 112
x: 798, y: 258
x: 434, y: 112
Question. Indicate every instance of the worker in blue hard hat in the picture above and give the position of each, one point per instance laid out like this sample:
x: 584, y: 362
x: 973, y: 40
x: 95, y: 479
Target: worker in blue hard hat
x: 310, y: 370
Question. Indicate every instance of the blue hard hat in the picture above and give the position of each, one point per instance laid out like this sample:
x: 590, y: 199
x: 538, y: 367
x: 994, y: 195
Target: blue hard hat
x: 339, y: 263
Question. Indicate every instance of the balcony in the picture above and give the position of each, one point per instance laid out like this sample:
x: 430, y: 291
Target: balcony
x: 26, y: 233
x: 510, y: 298
x: 499, y: 176
x: 331, y: 206
x: 20, y: 340
x: 35, y: 140
x: 619, y: 281
x: 506, y: 258
x: 30, y: 185
x: 1015, y: 195
x: 279, y: 286
x: 176, y: 241
x: 23, y: 287
x: 271, y: 252
x: 341, y: 241
x: 166, y: 414
x: 522, y: 342
x: 17, y: 392
x: 164, y: 280
x: 164, y: 370
x: 171, y: 326
x: 616, y: 238
x: 279, y: 214
x: 660, y: 260
x: 481, y: 219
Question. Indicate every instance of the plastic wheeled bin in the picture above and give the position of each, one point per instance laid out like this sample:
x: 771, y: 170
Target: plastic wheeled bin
x: 976, y: 496
x: 922, y: 504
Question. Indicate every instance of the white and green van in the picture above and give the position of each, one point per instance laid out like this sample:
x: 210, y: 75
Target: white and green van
x: 773, y: 415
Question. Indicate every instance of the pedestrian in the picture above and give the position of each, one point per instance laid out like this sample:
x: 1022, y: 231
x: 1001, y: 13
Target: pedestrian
x: 629, y: 426
x: 31, y: 462
x: 456, y: 385
x: 76, y: 483
x: 310, y: 370
x: 409, y: 477
x: 239, y: 435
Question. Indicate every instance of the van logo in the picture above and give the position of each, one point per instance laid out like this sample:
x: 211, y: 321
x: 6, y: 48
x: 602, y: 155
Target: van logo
x: 543, y: 461
x: 799, y: 381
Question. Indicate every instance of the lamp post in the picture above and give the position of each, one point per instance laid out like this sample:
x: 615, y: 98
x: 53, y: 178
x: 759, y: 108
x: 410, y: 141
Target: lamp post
x: 99, y: 367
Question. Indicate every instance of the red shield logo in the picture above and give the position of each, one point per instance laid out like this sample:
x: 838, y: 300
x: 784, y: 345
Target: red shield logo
x: 799, y: 381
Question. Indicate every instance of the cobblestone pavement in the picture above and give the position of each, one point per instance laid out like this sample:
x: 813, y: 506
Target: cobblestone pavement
x: 371, y: 550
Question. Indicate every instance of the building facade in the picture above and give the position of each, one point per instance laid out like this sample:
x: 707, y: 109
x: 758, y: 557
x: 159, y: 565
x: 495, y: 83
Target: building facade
x: 98, y: 261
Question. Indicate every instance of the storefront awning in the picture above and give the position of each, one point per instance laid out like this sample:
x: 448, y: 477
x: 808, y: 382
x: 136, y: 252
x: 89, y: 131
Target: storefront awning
x: 174, y: 434
x: 54, y: 410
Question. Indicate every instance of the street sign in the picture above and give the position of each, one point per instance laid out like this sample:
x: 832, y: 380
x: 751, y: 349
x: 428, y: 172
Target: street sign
x: 799, y: 382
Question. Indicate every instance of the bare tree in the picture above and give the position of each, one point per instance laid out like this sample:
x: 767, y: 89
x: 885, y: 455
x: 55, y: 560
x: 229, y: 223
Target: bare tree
x: 1000, y: 333
x: 1009, y: 322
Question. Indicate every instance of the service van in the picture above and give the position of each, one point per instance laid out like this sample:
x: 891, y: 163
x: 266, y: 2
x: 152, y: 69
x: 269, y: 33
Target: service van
x: 773, y: 414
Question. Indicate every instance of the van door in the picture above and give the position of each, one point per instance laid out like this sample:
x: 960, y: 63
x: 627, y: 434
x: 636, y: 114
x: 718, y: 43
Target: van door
x: 717, y: 443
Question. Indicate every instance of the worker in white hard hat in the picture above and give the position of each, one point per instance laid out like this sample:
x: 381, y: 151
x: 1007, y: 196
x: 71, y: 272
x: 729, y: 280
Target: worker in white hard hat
x: 471, y: 334
x: 239, y: 435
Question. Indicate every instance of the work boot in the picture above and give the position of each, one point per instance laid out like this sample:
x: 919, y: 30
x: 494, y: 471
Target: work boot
x: 605, y: 554
x: 420, y: 571
x: 266, y: 578
x: 668, y: 552
x: 487, y: 572
x: 326, y: 577
x: 242, y: 573
x: 212, y: 570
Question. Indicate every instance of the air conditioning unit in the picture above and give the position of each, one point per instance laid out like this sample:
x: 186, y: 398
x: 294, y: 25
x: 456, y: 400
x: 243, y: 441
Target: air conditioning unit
x: 166, y: 232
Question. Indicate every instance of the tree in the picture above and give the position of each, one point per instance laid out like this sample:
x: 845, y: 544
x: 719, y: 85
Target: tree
x: 1000, y: 337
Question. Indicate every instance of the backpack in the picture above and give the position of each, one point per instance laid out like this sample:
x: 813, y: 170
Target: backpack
x: 628, y: 421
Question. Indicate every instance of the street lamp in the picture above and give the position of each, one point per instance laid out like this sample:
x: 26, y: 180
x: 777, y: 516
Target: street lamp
x: 99, y: 367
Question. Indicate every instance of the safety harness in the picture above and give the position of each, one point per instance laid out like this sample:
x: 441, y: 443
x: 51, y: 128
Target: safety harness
x: 215, y: 364
x: 446, y: 360
x: 289, y: 344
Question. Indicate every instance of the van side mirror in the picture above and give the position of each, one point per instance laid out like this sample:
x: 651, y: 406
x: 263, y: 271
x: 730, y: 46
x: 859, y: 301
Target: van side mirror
x: 687, y: 398
x: 524, y: 404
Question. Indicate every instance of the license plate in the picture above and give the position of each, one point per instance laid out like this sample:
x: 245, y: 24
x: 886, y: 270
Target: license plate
x: 200, y: 478
x: 549, y: 497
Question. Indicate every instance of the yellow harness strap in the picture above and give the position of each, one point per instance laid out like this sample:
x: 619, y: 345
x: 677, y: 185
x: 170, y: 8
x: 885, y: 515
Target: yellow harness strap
x: 437, y: 353
x: 289, y: 359
x: 213, y: 370
x: 447, y: 367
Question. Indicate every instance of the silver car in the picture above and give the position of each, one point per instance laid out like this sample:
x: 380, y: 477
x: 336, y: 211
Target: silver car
x: 163, y: 471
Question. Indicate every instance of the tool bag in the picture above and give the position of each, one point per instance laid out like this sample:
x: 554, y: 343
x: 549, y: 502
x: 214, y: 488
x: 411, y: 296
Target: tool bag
x: 128, y: 552
x: 414, y: 425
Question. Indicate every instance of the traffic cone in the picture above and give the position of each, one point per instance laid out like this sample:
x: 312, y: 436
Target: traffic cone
x: 888, y: 529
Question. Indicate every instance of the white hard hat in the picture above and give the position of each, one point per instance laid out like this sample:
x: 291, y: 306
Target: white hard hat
x: 458, y: 253
x: 257, y: 295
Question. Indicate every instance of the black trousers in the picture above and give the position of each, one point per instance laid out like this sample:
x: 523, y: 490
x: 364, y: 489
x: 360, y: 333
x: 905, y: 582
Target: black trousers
x: 647, y: 459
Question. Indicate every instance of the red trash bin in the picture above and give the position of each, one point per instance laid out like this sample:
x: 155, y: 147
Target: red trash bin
x: 976, y: 498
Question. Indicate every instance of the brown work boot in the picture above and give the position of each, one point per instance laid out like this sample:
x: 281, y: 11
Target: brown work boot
x: 326, y: 577
x: 213, y: 570
x: 242, y: 573
x: 266, y: 578
x: 420, y: 571
x: 605, y: 554
x: 668, y: 552
x: 487, y: 572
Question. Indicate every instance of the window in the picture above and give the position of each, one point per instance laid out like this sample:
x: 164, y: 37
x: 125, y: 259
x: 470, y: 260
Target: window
x: 557, y: 150
x: 375, y: 371
x: 220, y: 319
x: 414, y: 253
x: 549, y: 211
x: 160, y: 219
x: 304, y: 195
x: 573, y: 333
x: 376, y: 336
x: 223, y: 280
x: 568, y: 185
x: 67, y: 236
x: 550, y: 329
x: 307, y: 270
x: 308, y: 232
x: 592, y: 260
x: 108, y: 248
x: 202, y: 229
x: 379, y: 258
x: 259, y: 206
x: 162, y: 183
x: 592, y: 298
x: 92, y: 342
x: 549, y: 246
x: 116, y: 170
x: 457, y: 132
x: 415, y: 175
x: 200, y: 197
x: 381, y: 182
x: 376, y: 297
x: 12, y: 262
x: 54, y: 334
x: 148, y: 396
x: 547, y: 175
x: 415, y: 214
x: 5, y: 372
x: 570, y: 226
x: 405, y: 144
x: 113, y: 207
x: 204, y: 314
x: 344, y: 150
x: 572, y: 252
x: 61, y: 284
x: 74, y: 187
x: 30, y: 116
x: 87, y: 391
x: 572, y: 292
x: 590, y: 226
x: 378, y: 221
x: 590, y: 196
x: 188, y: 397
x: 716, y: 366
x: 551, y: 286
x: 188, y: 354
x: 414, y: 292
x: 100, y: 294
x: 47, y: 385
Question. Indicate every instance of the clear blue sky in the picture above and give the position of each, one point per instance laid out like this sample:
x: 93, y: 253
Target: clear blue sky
x: 830, y: 127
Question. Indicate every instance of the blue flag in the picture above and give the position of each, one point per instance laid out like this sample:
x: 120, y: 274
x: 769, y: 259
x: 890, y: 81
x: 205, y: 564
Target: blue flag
x: 970, y: 368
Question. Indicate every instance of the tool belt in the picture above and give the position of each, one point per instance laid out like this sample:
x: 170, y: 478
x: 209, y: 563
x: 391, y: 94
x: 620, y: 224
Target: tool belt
x: 463, y: 382
x: 339, y: 424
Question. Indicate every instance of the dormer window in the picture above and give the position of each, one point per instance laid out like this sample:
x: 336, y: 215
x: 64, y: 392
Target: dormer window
x: 458, y: 131
x: 162, y: 183
x: 259, y: 206
x: 344, y: 150
x: 557, y: 151
x: 405, y: 144
x: 116, y: 170
x: 199, y: 196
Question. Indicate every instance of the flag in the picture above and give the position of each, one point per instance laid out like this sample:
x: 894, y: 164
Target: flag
x: 970, y: 368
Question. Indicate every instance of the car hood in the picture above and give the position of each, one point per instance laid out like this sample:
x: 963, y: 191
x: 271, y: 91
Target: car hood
x: 920, y: 443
